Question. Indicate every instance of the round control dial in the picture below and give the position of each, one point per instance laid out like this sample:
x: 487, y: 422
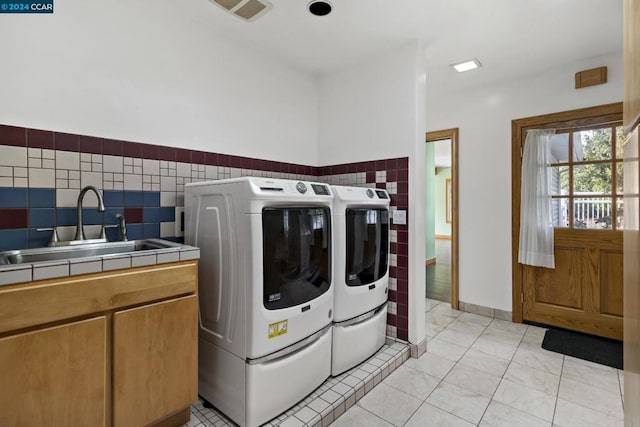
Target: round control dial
x: 370, y: 193
x: 301, y: 187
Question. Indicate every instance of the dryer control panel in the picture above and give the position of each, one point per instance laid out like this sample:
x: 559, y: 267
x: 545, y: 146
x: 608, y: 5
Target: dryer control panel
x: 321, y: 189
x: 361, y: 194
x: 268, y: 186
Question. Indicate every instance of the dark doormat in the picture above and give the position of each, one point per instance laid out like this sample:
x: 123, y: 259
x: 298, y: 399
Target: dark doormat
x: 600, y: 350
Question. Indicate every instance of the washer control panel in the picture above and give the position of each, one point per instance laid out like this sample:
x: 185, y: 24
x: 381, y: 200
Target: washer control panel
x: 290, y: 187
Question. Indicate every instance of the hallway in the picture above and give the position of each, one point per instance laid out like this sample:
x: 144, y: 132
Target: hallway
x: 439, y: 274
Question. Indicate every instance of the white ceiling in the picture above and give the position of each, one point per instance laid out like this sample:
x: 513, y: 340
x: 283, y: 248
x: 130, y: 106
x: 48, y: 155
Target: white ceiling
x: 511, y: 38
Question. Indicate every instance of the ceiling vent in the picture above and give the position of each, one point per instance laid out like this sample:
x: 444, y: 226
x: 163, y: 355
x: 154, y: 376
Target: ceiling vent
x: 248, y: 10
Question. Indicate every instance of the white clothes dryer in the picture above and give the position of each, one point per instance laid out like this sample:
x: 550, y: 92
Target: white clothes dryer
x: 361, y: 274
x: 265, y: 292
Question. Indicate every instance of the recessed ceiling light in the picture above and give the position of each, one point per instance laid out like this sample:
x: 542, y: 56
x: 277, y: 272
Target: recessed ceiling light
x: 320, y: 8
x: 471, y: 64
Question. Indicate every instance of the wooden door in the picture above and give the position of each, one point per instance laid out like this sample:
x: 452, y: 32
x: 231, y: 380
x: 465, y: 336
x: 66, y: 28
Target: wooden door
x: 632, y: 280
x: 55, y: 376
x: 155, y: 361
x: 584, y: 291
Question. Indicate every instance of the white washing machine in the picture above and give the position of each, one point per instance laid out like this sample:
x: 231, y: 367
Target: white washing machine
x: 265, y: 292
x: 361, y: 274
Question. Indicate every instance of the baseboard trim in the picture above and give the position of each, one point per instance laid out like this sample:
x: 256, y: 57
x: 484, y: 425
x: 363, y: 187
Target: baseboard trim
x: 417, y: 350
x: 430, y: 261
x: 486, y: 311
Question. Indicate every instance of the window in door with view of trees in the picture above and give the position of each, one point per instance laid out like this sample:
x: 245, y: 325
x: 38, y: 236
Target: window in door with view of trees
x: 586, y: 178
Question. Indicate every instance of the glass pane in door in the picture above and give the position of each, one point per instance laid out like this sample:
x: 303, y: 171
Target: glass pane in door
x: 593, y: 212
x: 594, y: 144
x: 559, y: 180
x: 592, y: 179
x: 560, y: 212
x: 620, y: 214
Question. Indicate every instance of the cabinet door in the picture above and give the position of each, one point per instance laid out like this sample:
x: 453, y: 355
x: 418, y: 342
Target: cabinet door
x: 155, y: 361
x: 54, y: 376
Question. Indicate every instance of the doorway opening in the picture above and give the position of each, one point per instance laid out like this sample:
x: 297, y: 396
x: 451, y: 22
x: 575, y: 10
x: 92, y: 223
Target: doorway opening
x: 442, y: 241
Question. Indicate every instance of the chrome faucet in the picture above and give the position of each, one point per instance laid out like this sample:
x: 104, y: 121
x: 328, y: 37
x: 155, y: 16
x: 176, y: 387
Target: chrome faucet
x: 80, y: 229
x: 122, y: 227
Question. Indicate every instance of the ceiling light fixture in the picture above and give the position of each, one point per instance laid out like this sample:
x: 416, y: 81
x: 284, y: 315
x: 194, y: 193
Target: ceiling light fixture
x: 471, y: 64
x: 320, y: 8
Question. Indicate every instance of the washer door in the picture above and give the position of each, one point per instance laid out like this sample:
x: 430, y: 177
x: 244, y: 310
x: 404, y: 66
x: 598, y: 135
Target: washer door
x: 296, y: 247
x: 367, y: 245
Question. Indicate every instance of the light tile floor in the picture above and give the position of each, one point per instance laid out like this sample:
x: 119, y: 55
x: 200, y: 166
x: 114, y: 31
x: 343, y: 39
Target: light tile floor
x: 480, y: 371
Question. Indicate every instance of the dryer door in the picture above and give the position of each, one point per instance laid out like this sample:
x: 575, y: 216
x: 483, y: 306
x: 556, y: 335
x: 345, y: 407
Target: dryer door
x: 367, y: 245
x: 296, y: 247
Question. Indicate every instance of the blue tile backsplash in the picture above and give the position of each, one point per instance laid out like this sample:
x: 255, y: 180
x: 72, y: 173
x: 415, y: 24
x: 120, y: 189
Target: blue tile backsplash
x: 167, y: 214
x: 133, y: 198
x: 42, y: 198
x: 15, y: 197
x: 113, y: 198
x: 42, y: 217
x: 15, y: 239
x: 42, y: 213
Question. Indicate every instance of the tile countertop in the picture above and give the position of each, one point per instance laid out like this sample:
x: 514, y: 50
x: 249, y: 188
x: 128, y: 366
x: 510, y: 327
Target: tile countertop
x: 21, y: 273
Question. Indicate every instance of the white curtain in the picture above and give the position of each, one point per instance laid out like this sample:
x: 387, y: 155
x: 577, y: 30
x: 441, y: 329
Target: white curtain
x: 536, y: 226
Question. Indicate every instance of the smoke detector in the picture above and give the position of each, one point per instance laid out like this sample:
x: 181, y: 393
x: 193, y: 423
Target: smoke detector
x: 248, y: 10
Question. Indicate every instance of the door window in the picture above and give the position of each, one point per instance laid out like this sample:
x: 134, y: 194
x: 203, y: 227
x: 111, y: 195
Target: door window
x: 367, y: 245
x: 586, y: 178
x: 296, y: 246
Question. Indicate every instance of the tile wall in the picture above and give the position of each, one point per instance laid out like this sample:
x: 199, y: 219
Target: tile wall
x: 42, y: 172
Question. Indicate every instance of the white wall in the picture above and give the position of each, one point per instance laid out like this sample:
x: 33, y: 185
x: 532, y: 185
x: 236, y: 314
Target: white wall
x: 368, y: 112
x: 443, y: 228
x: 417, y: 204
x: 484, y: 117
x: 153, y: 72
x: 376, y: 110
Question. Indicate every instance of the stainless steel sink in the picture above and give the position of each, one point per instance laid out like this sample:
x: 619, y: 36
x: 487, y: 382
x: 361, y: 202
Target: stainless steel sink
x: 27, y: 256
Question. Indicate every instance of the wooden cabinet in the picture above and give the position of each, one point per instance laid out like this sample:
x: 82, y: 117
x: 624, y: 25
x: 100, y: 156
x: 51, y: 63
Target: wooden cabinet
x: 155, y: 362
x: 116, y: 348
x: 631, y: 64
x: 55, y: 376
